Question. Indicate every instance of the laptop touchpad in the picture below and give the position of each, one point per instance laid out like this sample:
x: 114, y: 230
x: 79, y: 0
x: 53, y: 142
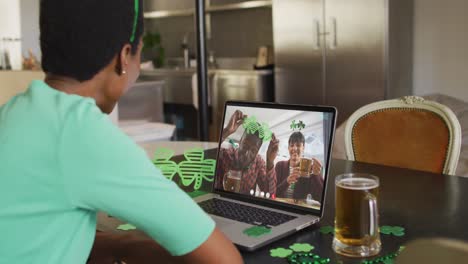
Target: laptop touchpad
x: 222, y: 222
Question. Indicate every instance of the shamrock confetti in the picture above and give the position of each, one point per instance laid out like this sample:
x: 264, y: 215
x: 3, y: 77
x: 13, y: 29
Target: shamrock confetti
x: 302, y: 247
x: 392, y: 230
x: 257, y: 231
x: 126, y: 227
x: 327, y: 230
x: 280, y: 252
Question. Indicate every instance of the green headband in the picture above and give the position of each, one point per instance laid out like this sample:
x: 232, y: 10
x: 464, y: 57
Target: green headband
x: 135, y: 21
x: 299, y: 125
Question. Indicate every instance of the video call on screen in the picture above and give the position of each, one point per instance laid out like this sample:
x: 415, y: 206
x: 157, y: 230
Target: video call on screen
x: 274, y: 154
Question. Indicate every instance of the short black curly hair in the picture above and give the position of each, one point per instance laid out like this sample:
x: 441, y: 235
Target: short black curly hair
x: 296, y: 137
x: 80, y: 37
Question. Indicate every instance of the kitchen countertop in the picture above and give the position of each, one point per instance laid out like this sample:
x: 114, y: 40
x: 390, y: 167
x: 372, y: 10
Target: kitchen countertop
x: 180, y: 83
x: 191, y: 71
x: 179, y: 147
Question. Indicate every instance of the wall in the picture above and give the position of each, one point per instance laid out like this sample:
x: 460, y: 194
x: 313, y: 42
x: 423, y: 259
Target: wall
x: 14, y: 82
x: 30, y: 26
x: 440, y: 48
x: 10, y: 28
x: 400, y: 56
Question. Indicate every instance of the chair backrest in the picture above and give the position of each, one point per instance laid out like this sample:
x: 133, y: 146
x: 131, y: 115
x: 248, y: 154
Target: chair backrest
x: 434, y: 250
x: 409, y: 132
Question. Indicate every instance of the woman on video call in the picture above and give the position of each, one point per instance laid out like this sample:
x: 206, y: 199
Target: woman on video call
x: 296, y: 144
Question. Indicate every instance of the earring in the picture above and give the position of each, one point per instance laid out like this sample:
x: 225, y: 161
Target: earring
x: 124, y: 72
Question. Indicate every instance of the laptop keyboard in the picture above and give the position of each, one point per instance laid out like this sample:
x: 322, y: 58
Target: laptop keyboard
x: 244, y: 213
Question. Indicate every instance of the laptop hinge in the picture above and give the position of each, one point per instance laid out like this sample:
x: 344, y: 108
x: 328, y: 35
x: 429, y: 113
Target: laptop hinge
x: 273, y: 206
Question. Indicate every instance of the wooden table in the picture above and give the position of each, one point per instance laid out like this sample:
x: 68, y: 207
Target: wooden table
x: 425, y: 204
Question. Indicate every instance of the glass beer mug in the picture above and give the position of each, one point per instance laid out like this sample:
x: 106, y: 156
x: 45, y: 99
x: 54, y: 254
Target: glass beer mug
x: 356, y: 215
x: 232, y: 181
x: 303, y: 182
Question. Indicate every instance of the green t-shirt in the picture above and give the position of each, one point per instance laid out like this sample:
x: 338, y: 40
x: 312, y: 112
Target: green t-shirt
x: 61, y: 161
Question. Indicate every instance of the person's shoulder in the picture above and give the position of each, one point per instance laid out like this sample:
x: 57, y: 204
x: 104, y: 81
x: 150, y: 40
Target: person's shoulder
x: 282, y: 163
x: 281, y: 166
x: 52, y: 102
x: 80, y: 108
x: 228, y: 151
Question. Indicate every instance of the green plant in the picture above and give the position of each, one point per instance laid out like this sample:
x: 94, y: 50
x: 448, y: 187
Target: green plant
x: 153, y: 49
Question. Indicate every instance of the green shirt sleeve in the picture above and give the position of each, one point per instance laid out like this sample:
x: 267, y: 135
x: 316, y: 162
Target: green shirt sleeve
x: 104, y: 170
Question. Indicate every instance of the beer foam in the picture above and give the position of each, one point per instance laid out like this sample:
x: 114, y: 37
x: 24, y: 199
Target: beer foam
x: 358, y: 183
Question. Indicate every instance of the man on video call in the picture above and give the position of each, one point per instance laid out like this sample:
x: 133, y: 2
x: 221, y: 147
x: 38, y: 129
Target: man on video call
x: 246, y: 159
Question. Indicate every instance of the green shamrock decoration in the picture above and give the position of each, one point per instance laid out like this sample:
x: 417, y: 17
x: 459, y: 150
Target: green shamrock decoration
x: 162, y: 161
x: 304, y: 247
x: 299, y: 125
x: 301, y: 254
x: 257, y: 231
x: 293, y: 125
x: 126, y: 227
x: 196, y: 168
x: 251, y: 126
x: 265, y: 132
x: 392, y: 230
x: 280, y: 252
x: 196, y: 193
x: 327, y: 230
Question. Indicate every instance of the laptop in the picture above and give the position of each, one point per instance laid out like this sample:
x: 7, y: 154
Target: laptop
x: 271, y: 170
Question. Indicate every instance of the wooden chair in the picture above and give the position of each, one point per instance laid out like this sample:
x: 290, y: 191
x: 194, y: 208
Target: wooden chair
x: 409, y: 132
x: 435, y: 250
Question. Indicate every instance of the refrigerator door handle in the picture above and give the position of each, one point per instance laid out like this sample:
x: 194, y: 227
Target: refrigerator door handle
x: 334, y: 25
x: 317, y: 34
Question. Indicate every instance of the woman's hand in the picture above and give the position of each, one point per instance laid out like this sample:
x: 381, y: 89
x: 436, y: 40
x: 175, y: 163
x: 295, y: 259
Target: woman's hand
x: 316, y: 167
x: 292, y: 178
x: 272, y: 151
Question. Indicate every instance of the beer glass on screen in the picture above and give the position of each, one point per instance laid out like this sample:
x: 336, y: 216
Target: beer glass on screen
x: 303, y: 182
x: 232, y: 181
x: 356, y: 215
x: 305, y: 165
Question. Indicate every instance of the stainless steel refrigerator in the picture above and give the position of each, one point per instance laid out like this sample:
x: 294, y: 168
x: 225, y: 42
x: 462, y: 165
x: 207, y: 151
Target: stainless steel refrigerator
x: 344, y: 53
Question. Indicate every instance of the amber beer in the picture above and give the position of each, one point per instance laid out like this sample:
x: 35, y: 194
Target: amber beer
x: 305, y: 167
x: 232, y: 181
x: 356, y: 215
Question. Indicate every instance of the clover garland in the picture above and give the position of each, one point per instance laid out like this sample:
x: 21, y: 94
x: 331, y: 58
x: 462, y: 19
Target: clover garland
x: 251, y: 126
x: 387, y: 259
x: 397, y: 231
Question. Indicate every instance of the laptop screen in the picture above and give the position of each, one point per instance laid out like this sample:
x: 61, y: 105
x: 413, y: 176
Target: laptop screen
x: 275, y: 152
